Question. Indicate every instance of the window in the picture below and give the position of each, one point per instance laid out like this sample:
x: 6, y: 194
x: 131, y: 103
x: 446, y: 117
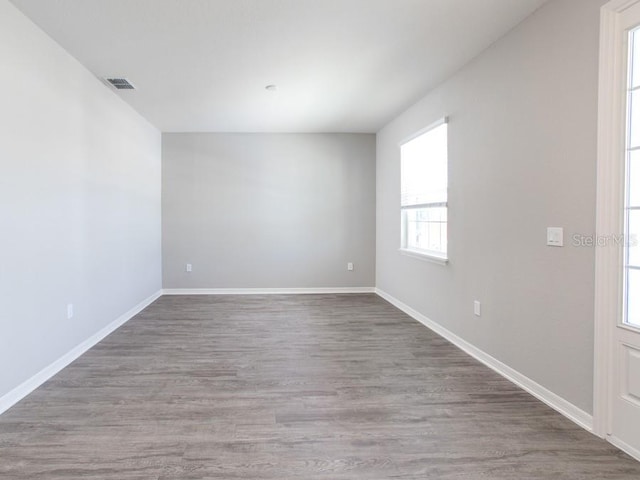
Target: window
x: 632, y: 194
x: 423, y: 192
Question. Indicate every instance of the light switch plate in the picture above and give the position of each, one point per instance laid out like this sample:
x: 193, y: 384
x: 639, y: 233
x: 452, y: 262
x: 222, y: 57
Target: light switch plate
x: 555, y: 236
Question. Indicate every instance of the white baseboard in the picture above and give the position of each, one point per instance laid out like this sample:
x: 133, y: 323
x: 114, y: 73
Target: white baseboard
x: 265, y: 291
x: 553, y: 400
x: 625, y: 447
x: 14, y: 396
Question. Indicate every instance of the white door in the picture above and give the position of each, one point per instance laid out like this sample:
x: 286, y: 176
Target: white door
x: 624, y: 339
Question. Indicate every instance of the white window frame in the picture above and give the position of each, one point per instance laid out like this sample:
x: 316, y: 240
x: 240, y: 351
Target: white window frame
x: 428, y: 255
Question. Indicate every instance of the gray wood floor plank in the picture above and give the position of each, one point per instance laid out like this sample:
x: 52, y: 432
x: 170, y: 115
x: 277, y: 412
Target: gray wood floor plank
x: 289, y: 387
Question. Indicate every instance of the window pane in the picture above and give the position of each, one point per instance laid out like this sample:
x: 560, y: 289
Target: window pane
x: 634, y: 177
x: 633, y: 297
x: 633, y: 235
x: 426, y: 229
x: 424, y: 168
x: 634, y: 118
x: 634, y: 45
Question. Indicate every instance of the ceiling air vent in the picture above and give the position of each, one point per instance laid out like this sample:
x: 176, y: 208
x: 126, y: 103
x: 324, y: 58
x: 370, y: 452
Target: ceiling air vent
x: 121, y: 83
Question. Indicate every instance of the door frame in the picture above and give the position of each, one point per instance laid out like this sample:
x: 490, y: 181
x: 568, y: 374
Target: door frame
x: 612, y: 87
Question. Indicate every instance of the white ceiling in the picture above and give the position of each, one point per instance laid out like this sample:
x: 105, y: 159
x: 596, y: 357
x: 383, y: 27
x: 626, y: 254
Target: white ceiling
x: 339, y: 65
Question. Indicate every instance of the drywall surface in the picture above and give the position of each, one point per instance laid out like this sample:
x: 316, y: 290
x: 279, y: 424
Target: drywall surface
x: 79, y: 202
x: 268, y: 210
x: 522, y: 156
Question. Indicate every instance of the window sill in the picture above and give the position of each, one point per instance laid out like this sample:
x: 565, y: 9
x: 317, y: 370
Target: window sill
x: 427, y: 257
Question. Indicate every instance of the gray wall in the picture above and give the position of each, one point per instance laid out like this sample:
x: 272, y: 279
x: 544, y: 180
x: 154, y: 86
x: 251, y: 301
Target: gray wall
x: 522, y: 157
x: 79, y: 202
x: 268, y: 210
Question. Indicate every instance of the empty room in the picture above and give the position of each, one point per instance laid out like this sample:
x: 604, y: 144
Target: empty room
x: 304, y: 239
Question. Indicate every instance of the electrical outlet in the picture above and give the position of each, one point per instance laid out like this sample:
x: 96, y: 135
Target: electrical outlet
x: 69, y: 311
x: 188, y: 268
x: 476, y: 308
x: 555, y: 236
x: 350, y: 266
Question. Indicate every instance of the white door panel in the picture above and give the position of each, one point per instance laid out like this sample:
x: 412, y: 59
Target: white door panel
x: 624, y: 412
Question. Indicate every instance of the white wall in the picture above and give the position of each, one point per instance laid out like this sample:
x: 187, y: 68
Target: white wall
x: 268, y: 210
x: 79, y: 202
x: 522, y: 157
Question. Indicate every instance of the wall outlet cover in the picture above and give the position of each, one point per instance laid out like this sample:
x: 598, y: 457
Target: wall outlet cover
x: 555, y: 236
